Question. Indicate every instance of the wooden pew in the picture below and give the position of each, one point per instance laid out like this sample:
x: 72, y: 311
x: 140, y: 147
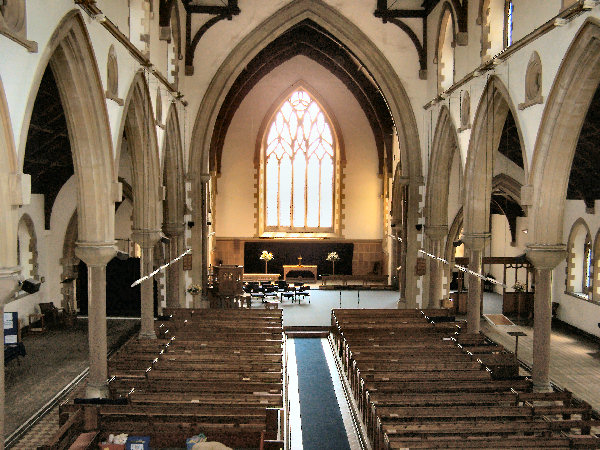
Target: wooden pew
x: 421, y: 384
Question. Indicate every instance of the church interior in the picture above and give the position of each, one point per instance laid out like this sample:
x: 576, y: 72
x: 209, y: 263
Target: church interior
x: 299, y: 224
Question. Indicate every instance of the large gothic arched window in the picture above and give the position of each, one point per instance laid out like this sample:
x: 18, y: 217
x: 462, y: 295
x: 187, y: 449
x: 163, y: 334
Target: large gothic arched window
x: 299, y: 159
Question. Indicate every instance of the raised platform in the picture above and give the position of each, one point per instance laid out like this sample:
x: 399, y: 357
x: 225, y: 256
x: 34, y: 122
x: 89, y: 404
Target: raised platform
x: 344, y: 279
x: 260, y: 277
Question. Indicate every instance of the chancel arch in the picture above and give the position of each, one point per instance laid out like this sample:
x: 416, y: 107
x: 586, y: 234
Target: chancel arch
x: 357, y: 44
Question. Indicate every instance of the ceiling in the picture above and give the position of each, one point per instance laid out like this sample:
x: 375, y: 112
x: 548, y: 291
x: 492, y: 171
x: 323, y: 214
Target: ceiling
x: 509, y: 144
x: 48, y: 152
x: 584, y: 180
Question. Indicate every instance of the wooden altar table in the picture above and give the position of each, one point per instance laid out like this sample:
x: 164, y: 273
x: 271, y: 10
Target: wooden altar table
x: 312, y: 269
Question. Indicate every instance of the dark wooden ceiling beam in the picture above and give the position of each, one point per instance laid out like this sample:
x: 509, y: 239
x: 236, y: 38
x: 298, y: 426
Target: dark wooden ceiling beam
x: 219, y: 13
x: 395, y: 16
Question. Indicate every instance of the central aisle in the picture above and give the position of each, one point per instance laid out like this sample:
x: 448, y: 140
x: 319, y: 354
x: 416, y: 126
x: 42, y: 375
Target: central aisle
x: 322, y: 424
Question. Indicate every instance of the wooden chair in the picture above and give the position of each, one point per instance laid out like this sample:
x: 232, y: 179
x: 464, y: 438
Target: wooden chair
x: 51, y: 313
x: 303, y: 292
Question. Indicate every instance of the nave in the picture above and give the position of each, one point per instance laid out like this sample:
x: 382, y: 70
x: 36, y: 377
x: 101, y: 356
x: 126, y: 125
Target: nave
x: 575, y: 352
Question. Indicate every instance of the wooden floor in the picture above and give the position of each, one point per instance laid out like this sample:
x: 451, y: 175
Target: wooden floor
x: 574, y: 360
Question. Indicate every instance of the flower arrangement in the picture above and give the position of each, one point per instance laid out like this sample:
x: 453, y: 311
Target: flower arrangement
x: 194, y: 289
x: 333, y: 256
x: 519, y: 286
x: 266, y: 256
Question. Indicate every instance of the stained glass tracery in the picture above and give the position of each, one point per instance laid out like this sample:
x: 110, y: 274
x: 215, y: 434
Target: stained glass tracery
x: 299, y: 166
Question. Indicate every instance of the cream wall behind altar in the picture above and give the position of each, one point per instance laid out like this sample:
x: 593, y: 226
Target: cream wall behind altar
x: 235, y: 198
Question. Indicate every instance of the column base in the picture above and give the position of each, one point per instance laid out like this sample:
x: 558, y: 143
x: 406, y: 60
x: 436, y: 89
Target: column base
x: 542, y: 387
x: 147, y: 335
x: 401, y: 304
x: 93, y: 390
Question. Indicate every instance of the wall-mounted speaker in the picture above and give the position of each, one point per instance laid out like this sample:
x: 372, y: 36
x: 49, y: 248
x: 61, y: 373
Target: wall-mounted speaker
x: 30, y: 286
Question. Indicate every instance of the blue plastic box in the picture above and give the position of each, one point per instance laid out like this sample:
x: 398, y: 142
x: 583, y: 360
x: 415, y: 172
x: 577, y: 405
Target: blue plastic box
x: 138, y: 443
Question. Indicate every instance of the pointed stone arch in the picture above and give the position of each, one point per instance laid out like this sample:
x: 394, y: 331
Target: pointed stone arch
x: 494, y: 105
x: 572, y: 91
x: 445, y: 144
x: 174, y: 208
x: 9, y: 188
x: 441, y: 58
x: 139, y: 126
x: 349, y: 35
x: 365, y: 51
x: 173, y: 175
x: 71, y: 59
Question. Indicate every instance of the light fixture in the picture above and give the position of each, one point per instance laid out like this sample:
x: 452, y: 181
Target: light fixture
x: 525, y: 231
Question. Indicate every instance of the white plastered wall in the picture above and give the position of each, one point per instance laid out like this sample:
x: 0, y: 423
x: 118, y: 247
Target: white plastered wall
x: 235, y: 198
x: 580, y: 313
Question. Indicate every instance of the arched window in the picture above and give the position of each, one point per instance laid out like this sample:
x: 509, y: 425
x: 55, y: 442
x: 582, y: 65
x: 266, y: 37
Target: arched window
x: 587, y: 266
x: 579, y: 260
x: 27, y: 253
x: 299, y: 159
x: 508, y: 23
x: 445, y: 51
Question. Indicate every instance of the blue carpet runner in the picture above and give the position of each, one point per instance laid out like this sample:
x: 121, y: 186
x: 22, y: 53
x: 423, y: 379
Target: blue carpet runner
x: 322, y: 425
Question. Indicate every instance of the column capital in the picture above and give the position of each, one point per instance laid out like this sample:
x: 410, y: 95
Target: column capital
x: 95, y: 253
x: 546, y: 256
x: 173, y: 229
x: 436, y: 232
x: 204, y: 177
x: 9, y: 282
x: 146, y: 238
x: 475, y: 241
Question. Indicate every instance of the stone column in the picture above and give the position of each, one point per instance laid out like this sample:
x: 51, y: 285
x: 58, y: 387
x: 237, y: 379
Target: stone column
x: 8, y: 288
x: 545, y: 258
x: 96, y: 255
x: 175, y: 291
x: 204, y: 223
x: 436, y: 235
x: 147, y: 239
x: 474, y: 244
